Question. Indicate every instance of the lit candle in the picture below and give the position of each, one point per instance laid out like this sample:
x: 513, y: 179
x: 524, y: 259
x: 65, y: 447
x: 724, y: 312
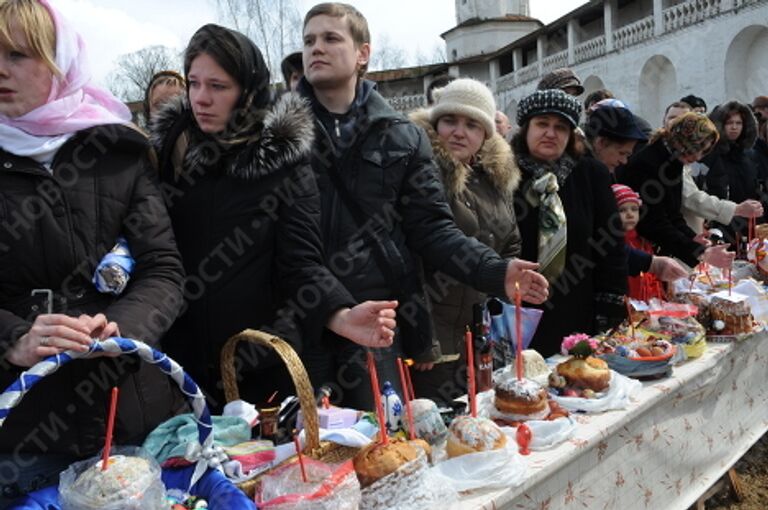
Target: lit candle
x: 377, y: 398
x: 470, y: 373
x: 406, y: 400
x: 110, y: 428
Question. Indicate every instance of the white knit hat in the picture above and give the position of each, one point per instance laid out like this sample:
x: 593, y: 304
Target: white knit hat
x: 466, y: 97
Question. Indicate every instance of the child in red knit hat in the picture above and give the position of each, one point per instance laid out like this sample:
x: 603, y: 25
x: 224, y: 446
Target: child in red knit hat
x: 644, y: 286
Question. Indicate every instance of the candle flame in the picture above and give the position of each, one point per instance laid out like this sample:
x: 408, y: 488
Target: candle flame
x: 408, y: 362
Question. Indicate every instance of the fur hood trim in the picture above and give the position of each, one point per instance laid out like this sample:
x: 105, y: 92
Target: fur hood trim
x: 495, y: 157
x: 749, y: 130
x: 286, y: 139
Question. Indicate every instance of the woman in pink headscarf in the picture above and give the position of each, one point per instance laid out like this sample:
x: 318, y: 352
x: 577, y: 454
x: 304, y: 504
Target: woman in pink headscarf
x: 74, y: 176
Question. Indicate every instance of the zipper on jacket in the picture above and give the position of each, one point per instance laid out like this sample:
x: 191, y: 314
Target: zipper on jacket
x: 338, y: 131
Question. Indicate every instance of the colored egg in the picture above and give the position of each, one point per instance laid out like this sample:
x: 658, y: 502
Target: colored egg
x: 643, y: 352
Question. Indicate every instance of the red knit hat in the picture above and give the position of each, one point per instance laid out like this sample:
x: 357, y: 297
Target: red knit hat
x: 625, y: 194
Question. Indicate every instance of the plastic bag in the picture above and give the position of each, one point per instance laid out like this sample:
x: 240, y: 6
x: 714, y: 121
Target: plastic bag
x: 503, y: 323
x: 618, y: 396
x: 131, y: 482
x: 494, y: 469
x: 329, y: 487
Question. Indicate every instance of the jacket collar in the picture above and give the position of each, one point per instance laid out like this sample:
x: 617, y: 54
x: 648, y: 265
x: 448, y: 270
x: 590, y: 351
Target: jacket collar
x: 286, y: 139
x: 495, y: 157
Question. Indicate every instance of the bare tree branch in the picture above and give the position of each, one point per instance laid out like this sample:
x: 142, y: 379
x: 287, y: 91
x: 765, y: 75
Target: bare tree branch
x: 133, y: 71
x: 273, y: 25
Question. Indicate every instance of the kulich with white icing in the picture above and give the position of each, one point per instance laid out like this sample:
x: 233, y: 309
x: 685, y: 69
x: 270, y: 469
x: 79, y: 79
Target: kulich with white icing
x: 470, y: 435
x: 522, y: 398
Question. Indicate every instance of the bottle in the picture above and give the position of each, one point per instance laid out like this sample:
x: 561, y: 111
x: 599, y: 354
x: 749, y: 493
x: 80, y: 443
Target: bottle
x: 483, y: 351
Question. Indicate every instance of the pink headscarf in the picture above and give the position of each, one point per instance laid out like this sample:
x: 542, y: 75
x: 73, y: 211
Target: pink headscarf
x: 73, y: 104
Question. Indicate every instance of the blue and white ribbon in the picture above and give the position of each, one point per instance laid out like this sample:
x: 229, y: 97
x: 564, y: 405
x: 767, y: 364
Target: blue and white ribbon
x: 27, y: 380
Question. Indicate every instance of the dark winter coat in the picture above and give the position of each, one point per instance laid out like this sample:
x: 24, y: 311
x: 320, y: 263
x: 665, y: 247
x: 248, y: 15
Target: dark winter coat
x: 54, y: 229
x: 481, y: 199
x: 385, y: 162
x: 247, y: 226
x: 658, y: 177
x: 733, y: 173
x: 591, y: 288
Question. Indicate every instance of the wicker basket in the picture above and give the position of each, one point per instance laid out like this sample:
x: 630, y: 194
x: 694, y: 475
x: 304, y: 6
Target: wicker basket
x: 324, y: 451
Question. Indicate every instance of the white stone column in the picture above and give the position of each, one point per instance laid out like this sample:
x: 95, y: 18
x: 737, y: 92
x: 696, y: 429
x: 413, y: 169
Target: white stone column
x: 573, y: 27
x: 540, y: 42
x: 658, y: 17
x: 610, y: 10
x: 493, y: 73
x: 517, y: 58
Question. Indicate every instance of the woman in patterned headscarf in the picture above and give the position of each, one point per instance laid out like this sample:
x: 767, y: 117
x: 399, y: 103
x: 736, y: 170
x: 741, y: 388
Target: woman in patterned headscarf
x: 568, y: 221
x: 656, y: 172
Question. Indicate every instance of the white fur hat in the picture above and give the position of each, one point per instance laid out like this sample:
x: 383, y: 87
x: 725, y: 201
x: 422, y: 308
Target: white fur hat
x: 467, y: 97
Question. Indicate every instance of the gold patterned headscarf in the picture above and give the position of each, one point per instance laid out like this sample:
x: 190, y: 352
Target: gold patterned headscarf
x: 690, y: 134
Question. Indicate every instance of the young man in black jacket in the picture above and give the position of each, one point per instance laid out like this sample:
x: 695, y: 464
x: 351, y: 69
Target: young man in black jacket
x: 383, y: 208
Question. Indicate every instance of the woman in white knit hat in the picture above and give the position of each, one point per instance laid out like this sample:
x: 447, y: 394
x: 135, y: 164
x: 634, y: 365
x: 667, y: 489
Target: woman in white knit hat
x: 480, y: 176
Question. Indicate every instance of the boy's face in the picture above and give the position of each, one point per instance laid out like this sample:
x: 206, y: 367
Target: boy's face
x: 630, y: 215
x: 331, y: 58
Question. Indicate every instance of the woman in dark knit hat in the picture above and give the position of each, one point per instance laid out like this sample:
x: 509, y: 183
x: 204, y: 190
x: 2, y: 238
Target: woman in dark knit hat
x: 568, y: 221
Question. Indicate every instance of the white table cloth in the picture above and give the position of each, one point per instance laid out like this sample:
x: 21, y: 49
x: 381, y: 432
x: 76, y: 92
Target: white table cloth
x: 672, y: 443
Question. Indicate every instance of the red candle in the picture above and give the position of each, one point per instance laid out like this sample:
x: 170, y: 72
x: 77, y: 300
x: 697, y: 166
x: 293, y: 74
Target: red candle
x: 470, y: 373
x: 406, y: 400
x: 518, y: 332
x: 377, y: 398
x: 110, y: 428
x: 301, y: 458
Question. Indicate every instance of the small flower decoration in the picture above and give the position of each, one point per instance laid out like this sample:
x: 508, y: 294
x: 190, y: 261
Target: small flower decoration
x: 578, y: 345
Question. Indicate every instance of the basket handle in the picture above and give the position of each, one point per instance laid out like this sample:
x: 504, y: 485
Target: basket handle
x: 13, y: 394
x: 295, y: 368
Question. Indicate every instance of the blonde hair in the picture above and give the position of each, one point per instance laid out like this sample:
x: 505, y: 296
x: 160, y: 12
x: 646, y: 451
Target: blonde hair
x: 34, y: 20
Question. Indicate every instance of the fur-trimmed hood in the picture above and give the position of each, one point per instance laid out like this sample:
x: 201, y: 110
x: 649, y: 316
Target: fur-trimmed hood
x: 495, y: 157
x: 749, y: 130
x: 286, y: 138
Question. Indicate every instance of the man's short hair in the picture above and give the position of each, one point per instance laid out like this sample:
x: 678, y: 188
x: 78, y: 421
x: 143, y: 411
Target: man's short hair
x: 291, y: 64
x: 356, y: 22
x: 694, y: 101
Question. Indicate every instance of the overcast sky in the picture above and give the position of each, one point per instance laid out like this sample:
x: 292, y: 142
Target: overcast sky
x: 115, y: 27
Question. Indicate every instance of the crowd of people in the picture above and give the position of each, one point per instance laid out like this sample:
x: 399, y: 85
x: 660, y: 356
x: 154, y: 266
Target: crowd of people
x: 322, y: 215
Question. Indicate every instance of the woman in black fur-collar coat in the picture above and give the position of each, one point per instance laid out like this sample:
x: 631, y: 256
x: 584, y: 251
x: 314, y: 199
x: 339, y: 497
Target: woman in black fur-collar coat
x: 245, y: 210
